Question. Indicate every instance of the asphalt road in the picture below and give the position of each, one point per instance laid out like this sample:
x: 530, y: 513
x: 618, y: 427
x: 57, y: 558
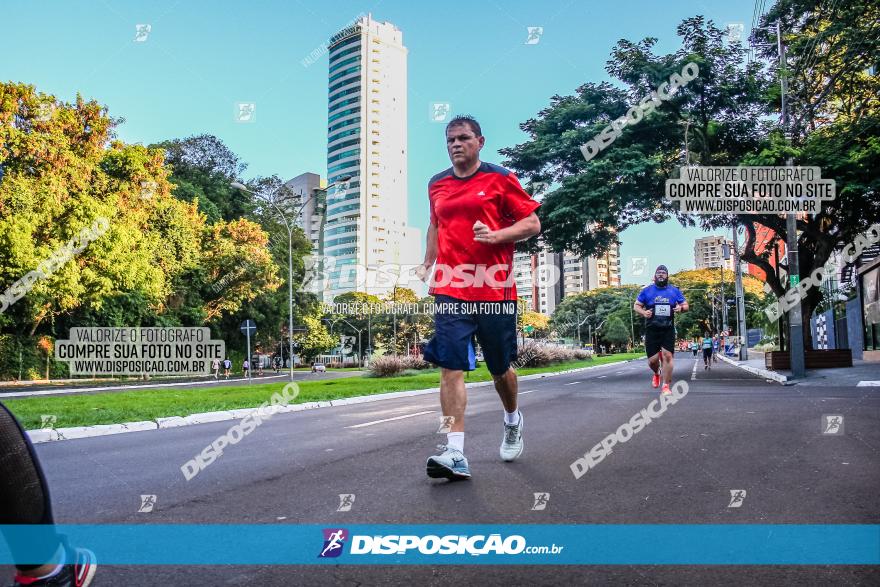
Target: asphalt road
x: 732, y: 431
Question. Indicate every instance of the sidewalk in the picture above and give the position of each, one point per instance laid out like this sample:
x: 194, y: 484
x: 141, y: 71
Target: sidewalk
x: 862, y: 373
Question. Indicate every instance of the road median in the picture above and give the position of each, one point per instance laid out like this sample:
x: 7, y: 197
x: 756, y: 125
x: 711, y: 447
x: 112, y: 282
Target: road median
x: 96, y: 415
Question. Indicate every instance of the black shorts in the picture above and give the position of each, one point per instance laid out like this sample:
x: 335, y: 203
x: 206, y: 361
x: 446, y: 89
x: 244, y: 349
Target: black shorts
x: 657, y: 338
x: 457, y: 322
x: 707, y: 354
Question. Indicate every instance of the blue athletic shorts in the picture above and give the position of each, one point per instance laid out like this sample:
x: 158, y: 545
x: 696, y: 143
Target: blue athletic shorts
x: 457, y: 322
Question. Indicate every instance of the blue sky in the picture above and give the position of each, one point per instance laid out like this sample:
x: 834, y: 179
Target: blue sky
x: 200, y: 58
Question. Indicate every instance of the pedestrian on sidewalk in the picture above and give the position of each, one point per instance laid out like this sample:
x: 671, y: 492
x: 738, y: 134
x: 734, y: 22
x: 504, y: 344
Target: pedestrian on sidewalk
x: 244, y: 368
x: 477, y: 212
x: 215, y: 367
x: 227, y: 366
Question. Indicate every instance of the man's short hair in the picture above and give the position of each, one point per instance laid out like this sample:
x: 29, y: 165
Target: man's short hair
x: 469, y: 121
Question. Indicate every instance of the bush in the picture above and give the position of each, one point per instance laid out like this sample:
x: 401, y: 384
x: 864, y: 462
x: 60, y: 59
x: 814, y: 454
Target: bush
x: 391, y: 365
x: 766, y: 347
x: 540, y: 355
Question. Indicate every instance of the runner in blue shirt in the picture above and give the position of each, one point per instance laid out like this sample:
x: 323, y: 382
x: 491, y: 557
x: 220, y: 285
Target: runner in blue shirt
x: 658, y: 303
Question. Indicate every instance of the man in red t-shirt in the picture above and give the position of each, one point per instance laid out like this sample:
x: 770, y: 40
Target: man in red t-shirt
x: 478, y: 212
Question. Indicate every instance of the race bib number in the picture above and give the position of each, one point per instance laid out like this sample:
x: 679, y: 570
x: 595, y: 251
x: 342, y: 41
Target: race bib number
x: 663, y: 310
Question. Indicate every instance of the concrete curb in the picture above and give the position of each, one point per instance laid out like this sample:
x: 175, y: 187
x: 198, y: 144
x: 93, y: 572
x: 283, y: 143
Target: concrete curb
x: 52, y: 434
x: 765, y: 373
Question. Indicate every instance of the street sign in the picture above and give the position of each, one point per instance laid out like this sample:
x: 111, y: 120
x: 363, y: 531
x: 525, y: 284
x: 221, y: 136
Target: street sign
x: 529, y: 328
x: 794, y: 280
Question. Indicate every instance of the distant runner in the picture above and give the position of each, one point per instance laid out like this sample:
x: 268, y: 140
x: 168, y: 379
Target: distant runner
x: 658, y: 303
x: 707, y: 351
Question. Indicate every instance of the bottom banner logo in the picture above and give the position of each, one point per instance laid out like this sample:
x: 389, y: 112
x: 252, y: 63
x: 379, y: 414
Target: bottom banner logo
x: 334, y: 540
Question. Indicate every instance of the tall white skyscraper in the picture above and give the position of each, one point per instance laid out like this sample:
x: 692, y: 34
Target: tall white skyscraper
x: 366, y: 232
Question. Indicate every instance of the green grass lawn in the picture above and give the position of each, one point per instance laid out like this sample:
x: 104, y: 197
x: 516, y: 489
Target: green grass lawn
x: 133, y: 406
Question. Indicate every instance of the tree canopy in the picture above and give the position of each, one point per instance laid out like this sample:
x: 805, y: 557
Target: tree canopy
x: 725, y: 116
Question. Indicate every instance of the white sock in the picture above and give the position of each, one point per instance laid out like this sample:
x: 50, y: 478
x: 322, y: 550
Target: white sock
x: 455, y: 440
x: 511, y: 418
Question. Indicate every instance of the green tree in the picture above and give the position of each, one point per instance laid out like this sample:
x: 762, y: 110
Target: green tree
x: 592, y: 308
x: 62, y: 172
x: 539, y: 323
x: 315, y: 341
x: 203, y: 168
x: 700, y: 286
x: 720, y: 118
x: 615, y: 331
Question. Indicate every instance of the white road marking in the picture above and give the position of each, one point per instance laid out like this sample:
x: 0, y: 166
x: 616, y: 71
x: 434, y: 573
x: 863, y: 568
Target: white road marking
x: 694, y: 371
x: 601, y: 376
x: 529, y: 391
x: 392, y: 419
x: 868, y: 384
x: 573, y: 383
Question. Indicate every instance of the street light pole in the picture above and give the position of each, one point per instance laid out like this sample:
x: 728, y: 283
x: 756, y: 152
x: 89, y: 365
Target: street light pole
x: 740, y: 302
x: 795, y: 321
x: 287, y: 224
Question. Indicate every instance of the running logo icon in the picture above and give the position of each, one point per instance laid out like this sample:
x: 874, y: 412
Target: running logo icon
x: 245, y: 112
x: 141, y: 32
x: 439, y: 111
x: 346, y: 500
x: 832, y: 424
x: 148, y: 502
x: 736, y: 498
x: 534, y: 35
x: 639, y: 264
x: 446, y: 423
x: 334, y: 541
x: 541, y: 500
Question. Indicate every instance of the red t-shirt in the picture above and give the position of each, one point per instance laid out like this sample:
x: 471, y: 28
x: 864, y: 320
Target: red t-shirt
x: 466, y: 269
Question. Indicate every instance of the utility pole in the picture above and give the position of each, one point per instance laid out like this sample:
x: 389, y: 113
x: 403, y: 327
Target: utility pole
x: 724, y: 247
x: 796, y: 327
x: 714, y: 313
x: 740, y: 302
x: 632, y: 328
